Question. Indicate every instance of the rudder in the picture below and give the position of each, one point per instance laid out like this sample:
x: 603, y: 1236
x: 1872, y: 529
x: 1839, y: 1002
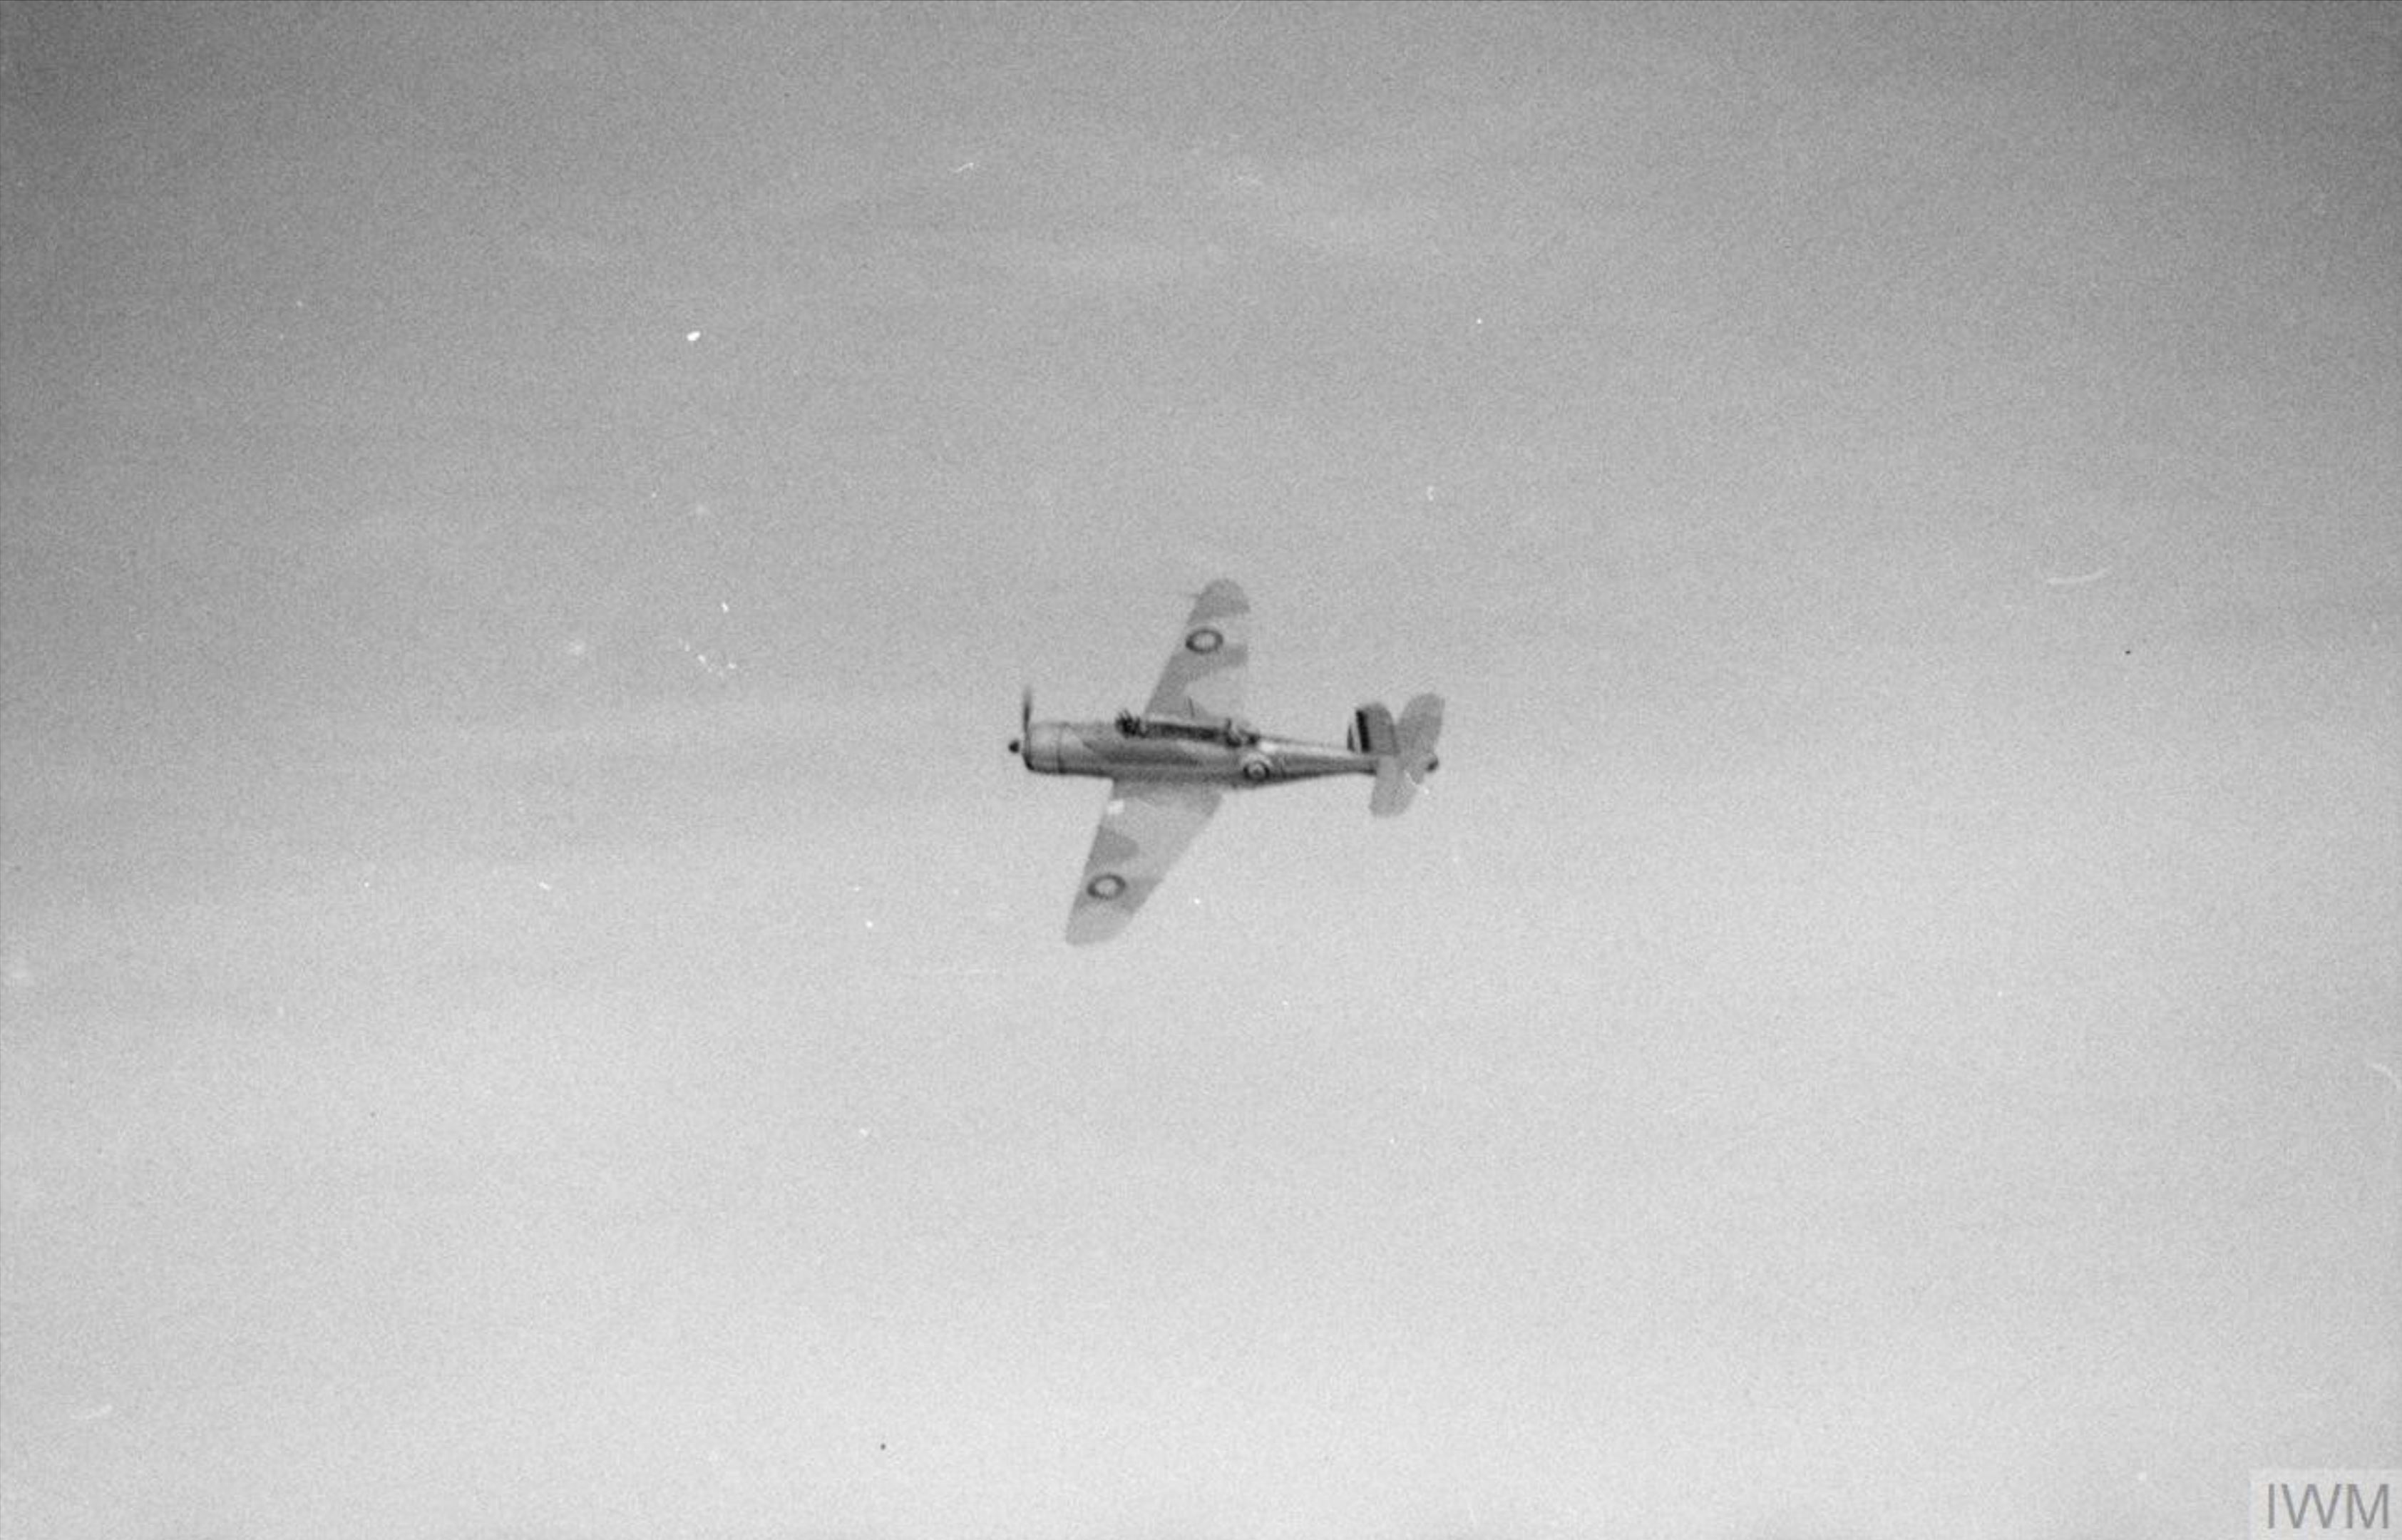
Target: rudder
x: 1372, y: 731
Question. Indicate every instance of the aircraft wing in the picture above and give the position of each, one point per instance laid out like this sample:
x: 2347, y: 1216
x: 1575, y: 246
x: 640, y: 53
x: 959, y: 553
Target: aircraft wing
x: 1145, y: 827
x: 1204, y: 677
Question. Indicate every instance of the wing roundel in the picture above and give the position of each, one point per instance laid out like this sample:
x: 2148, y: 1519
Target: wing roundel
x: 1204, y: 677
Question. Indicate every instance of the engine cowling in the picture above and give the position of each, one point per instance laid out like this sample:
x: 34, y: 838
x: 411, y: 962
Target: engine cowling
x: 1042, y: 742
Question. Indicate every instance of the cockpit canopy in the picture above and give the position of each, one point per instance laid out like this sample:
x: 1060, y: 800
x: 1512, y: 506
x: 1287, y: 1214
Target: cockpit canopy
x: 1232, y: 732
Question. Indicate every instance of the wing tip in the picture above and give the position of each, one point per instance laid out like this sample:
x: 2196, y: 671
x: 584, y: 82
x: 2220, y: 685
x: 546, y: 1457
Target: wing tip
x: 1090, y: 926
x: 1223, y: 596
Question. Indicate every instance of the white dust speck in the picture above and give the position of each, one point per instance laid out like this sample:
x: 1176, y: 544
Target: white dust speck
x: 2079, y: 580
x: 692, y: 336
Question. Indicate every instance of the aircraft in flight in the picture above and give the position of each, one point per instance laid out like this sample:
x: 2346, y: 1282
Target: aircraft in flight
x: 1170, y: 763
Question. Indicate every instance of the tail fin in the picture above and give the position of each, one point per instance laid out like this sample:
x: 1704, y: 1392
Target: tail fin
x: 1372, y: 731
x: 1406, y: 757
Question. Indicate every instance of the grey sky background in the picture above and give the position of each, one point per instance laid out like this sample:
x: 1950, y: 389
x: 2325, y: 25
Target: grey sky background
x: 534, y: 999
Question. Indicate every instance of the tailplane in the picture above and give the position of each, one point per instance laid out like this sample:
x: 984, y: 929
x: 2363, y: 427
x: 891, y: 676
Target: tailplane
x: 1404, y: 751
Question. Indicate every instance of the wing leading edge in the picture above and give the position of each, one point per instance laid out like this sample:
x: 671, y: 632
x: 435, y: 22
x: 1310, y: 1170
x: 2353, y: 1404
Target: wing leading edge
x: 1145, y: 827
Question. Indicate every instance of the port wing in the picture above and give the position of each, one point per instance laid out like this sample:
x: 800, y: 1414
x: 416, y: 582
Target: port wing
x: 1145, y: 827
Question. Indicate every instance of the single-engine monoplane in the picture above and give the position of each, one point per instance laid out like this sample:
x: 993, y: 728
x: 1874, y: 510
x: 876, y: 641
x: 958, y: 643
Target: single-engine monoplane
x: 1169, y: 764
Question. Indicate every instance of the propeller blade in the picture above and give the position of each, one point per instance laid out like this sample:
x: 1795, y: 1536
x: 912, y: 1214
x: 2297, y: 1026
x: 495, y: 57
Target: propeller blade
x: 1025, y: 720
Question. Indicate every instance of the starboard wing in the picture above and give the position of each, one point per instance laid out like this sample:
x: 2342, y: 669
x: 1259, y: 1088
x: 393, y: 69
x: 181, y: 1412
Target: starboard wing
x: 1145, y: 827
x: 1204, y: 677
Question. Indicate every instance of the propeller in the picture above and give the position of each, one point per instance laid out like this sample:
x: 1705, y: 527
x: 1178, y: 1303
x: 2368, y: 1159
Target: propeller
x: 1025, y: 719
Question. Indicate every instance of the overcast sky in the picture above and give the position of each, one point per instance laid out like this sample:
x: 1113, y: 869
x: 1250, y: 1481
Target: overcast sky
x: 534, y: 1004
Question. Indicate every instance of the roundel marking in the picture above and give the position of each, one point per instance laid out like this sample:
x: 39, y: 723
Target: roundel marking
x: 1109, y: 885
x: 1205, y: 638
x: 1257, y: 769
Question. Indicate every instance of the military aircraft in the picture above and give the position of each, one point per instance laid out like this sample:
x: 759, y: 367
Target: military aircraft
x: 1170, y: 763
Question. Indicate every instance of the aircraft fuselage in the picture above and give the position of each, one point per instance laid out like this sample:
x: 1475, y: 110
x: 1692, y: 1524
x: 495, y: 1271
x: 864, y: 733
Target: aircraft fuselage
x: 1157, y: 749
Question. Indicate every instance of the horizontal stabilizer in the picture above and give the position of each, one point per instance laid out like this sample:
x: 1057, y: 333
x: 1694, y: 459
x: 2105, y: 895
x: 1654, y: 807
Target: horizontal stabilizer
x: 1421, y: 724
x: 1407, y: 758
